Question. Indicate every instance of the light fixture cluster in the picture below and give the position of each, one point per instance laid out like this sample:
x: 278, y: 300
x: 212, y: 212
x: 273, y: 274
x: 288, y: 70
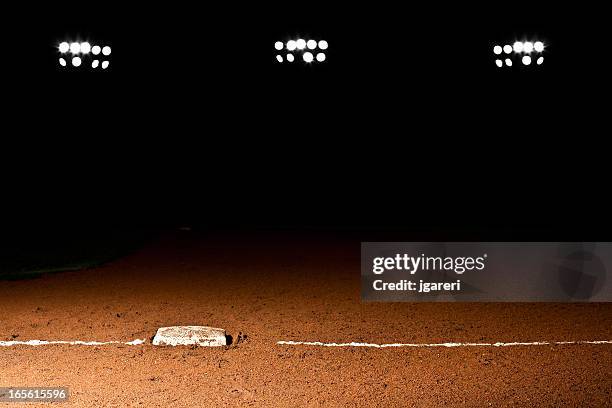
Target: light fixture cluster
x: 523, y: 50
x: 77, y: 52
x: 311, y: 50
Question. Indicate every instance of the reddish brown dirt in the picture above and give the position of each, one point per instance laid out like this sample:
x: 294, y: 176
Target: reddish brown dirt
x: 286, y: 288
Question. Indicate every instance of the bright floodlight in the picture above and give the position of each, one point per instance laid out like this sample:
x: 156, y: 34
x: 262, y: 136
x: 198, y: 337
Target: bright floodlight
x: 106, y: 50
x: 508, y: 62
x: 75, y: 48
x: 278, y: 45
x: 507, y: 49
x: 290, y: 58
x: 76, y: 61
x: 320, y: 57
x: 526, y: 60
x: 105, y: 64
x: 528, y: 47
x: 85, y: 47
x: 497, y: 50
x: 291, y: 45
x: 301, y: 44
x: 279, y: 58
x: 499, y: 63
x: 323, y: 44
x: 95, y: 63
x: 518, y: 46
x: 311, y: 44
x: 62, y: 62
x: 540, y: 61
x: 64, y: 47
x: 95, y: 50
x: 308, y: 57
x: 538, y: 46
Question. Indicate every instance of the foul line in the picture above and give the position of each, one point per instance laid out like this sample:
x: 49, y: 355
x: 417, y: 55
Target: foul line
x: 136, y: 342
x: 389, y: 345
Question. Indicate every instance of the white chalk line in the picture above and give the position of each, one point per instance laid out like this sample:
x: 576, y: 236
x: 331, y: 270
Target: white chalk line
x: 417, y: 345
x: 11, y: 343
x: 138, y: 342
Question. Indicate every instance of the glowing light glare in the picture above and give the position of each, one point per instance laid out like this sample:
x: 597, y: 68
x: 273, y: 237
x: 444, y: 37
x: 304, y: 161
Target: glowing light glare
x: 308, y: 57
x: 508, y: 62
x: 62, y: 62
x: 105, y: 64
x: 302, y: 45
x: 95, y: 64
x: 85, y: 47
x: 499, y: 63
x: 106, y: 51
x: 64, y: 47
x: 76, y: 61
x: 528, y: 47
x: 95, y: 50
x: 540, y: 61
x: 75, y: 48
x: 538, y: 46
x: 518, y: 46
x: 526, y: 60
x: 507, y: 49
x: 497, y: 50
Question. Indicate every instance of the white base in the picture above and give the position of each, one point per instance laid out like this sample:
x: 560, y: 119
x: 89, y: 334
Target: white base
x: 190, y: 335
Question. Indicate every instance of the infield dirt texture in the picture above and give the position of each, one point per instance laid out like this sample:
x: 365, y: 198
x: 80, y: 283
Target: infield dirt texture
x: 263, y: 289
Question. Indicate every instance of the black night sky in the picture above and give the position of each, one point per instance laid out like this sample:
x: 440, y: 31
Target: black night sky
x: 408, y: 124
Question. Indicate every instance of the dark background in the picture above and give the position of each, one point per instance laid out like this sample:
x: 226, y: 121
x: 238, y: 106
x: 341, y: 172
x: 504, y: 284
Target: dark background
x: 408, y: 124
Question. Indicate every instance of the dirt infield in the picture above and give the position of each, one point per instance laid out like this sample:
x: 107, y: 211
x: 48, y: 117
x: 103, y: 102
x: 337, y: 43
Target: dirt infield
x: 287, y: 287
